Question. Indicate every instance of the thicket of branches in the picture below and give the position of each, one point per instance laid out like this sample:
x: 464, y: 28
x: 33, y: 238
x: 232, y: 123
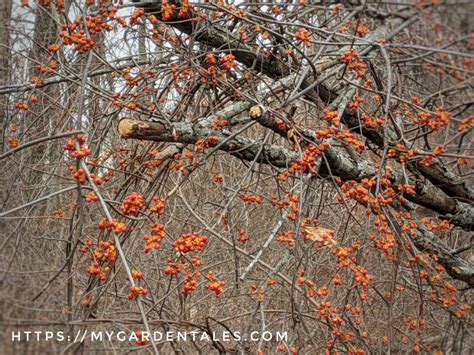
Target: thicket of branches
x: 299, y: 166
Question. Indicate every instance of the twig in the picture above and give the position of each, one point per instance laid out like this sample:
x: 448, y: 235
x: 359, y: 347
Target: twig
x: 37, y: 141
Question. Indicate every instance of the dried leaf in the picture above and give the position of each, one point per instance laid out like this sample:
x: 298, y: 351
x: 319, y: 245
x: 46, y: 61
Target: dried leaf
x: 322, y: 235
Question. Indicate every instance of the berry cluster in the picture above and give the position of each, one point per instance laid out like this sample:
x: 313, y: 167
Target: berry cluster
x: 12, y: 141
x: 136, y: 291
x: 172, y: 269
x: 215, y: 285
x: 308, y: 163
x: 48, y: 69
x: 153, y: 241
x: 228, y: 62
x: 190, y: 242
x: 141, y: 338
x: 354, y: 64
x: 243, y: 238
x: 372, y: 122
x: 434, y: 122
x: 303, y: 35
x: 137, y: 275
x: 167, y: 10
x: 92, y: 197
x: 80, y: 153
x: 191, y: 282
x: 258, y: 293
x: 135, y: 19
x: 22, y: 106
x: 103, y: 257
x: 185, y: 10
x: 251, y: 199
x: 211, y: 141
x: 115, y: 226
x: 428, y: 159
x: 75, y: 33
x: 159, y: 206
x: 287, y: 238
x: 132, y: 204
x: 356, y: 102
x: 81, y: 177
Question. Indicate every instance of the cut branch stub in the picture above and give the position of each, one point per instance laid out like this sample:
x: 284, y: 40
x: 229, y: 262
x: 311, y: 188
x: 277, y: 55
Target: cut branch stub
x: 129, y: 128
x: 189, y: 133
x: 256, y: 112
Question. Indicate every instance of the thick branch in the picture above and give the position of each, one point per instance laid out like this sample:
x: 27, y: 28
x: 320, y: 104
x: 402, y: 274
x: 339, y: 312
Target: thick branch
x: 342, y: 165
x: 247, y: 149
x: 219, y: 38
x: 189, y: 133
x: 455, y: 266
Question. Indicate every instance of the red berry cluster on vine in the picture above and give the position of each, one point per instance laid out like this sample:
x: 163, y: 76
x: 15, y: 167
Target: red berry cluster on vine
x: 92, y: 197
x: 428, y: 159
x: 191, y: 282
x: 48, y: 69
x: 135, y: 19
x: 334, y: 131
x: 13, y: 142
x: 257, y: 293
x: 228, y: 62
x: 347, y: 259
x: 434, y: 122
x: 75, y: 33
x: 307, y: 164
x: 173, y: 268
x: 185, y: 10
x: 287, y: 238
x: 81, y: 176
x: 210, y: 59
x: 204, y: 144
x: 103, y: 257
x: 372, y: 122
x: 219, y: 179
x: 466, y: 124
x: 354, y: 63
x: 251, y: 199
x: 303, y: 35
x: 159, y: 205
x: 215, y: 285
x: 190, y: 242
x: 80, y: 153
x: 153, y: 241
x: 219, y: 123
x: 53, y: 48
x: 167, y: 10
x: 137, y: 275
x: 294, y: 206
x: 132, y: 204
x: 79, y: 39
x: 113, y: 226
x: 362, y: 29
x: 22, y: 106
x: 355, y: 103
x: 136, y: 291
x: 243, y: 238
